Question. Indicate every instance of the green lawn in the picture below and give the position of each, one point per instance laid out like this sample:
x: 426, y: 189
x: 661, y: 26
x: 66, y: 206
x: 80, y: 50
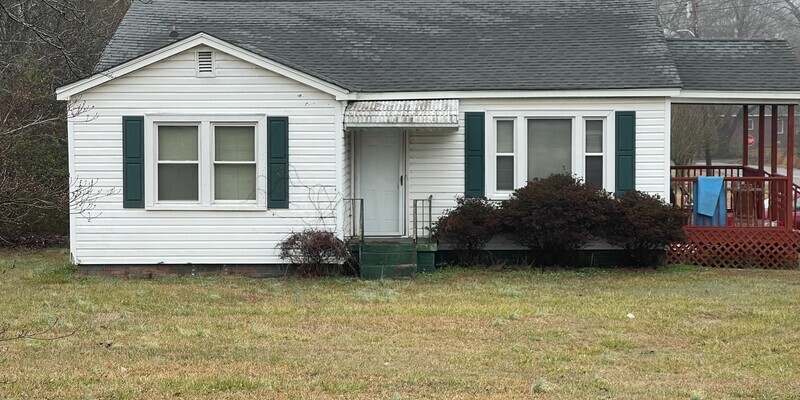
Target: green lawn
x: 696, y: 333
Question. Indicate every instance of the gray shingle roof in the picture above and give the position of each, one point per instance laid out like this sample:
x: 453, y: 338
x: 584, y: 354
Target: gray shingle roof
x: 425, y: 45
x: 741, y: 65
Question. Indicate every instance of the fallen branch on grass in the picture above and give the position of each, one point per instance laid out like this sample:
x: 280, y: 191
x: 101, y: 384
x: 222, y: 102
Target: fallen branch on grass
x: 46, y: 333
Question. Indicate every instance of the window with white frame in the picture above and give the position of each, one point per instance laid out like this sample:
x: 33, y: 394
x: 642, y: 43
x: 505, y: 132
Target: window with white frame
x: 178, y: 163
x: 505, y: 155
x: 593, y: 166
x: 205, y: 162
x: 549, y: 147
x: 526, y: 145
x: 234, y: 162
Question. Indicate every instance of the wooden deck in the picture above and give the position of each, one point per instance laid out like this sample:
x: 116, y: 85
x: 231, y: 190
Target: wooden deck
x: 758, y: 228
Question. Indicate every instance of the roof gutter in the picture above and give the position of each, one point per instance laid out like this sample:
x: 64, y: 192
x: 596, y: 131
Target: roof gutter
x: 736, y: 97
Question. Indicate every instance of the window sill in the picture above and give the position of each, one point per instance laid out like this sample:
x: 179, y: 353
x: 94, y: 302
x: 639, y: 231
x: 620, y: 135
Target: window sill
x: 215, y: 207
x: 502, y: 196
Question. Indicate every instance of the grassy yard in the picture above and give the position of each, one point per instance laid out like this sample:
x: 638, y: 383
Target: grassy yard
x: 696, y: 333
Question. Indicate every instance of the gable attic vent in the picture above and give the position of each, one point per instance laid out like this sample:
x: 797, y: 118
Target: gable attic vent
x: 205, y: 63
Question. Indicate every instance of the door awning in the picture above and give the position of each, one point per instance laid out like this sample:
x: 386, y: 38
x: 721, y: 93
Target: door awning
x: 402, y: 113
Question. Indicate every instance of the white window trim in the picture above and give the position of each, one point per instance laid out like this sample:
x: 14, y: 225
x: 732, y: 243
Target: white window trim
x: 205, y: 159
x: 603, y: 154
x: 513, y: 155
x: 521, y: 145
x: 214, y: 162
x: 160, y: 162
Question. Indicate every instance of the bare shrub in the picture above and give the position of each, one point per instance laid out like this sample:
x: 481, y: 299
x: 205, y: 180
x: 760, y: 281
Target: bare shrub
x: 315, y: 252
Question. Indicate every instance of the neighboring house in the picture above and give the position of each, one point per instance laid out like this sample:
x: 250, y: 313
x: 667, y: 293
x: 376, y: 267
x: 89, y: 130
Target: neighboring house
x: 230, y: 124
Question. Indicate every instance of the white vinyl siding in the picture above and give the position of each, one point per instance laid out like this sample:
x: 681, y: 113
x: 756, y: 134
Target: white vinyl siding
x: 435, y: 166
x: 171, y: 87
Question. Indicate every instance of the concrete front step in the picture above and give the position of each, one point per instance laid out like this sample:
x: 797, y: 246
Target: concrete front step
x: 387, y: 247
x: 381, y: 258
x: 368, y: 257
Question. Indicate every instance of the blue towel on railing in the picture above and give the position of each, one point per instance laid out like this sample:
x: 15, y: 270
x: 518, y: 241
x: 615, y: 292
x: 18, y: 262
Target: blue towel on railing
x: 710, y: 206
x: 709, y: 189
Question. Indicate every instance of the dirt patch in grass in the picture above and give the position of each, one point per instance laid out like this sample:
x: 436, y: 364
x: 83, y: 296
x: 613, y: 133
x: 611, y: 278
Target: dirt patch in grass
x: 680, y: 332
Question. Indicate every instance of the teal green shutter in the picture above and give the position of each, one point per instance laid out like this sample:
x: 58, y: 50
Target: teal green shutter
x: 133, y: 162
x: 626, y: 152
x: 278, y: 162
x: 474, y: 126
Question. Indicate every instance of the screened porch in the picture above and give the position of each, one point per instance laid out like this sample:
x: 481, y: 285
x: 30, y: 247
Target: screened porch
x: 758, y: 192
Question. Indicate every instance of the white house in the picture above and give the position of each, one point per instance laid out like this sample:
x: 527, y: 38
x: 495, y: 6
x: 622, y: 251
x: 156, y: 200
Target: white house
x: 227, y: 125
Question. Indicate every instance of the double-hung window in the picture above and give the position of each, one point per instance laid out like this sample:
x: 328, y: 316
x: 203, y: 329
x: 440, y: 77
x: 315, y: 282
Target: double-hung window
x: 234, y: 163
x: 523, y: 146
x: 593, y: 166
x: 206, y: 162
x: 178, y: 163
x: 505, y: 154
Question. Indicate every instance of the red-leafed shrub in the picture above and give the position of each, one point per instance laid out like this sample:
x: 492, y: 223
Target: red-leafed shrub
x: 468, y: 227
x: 315, y: 252
x: 556, y: 216
x: 643, y: 224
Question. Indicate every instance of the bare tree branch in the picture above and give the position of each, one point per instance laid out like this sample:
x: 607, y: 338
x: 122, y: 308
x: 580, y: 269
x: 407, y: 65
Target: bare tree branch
x: 46, y: 333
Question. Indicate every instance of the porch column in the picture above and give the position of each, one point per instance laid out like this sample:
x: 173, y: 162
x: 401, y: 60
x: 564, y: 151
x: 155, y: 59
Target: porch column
x: 745, y: 119
x: 773, y: 163
x: 790, y: 167
x: 761, y: 139
x: 761, y: 147
x: 774, y: 160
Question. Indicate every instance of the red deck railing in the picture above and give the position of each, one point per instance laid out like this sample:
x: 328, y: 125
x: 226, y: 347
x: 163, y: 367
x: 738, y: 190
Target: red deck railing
x: 753, y: 198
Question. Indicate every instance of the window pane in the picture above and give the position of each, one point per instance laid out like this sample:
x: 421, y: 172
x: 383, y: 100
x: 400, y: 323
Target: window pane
x: 549, y: 147
x: 177, y: 143
x: 234, y: 182
x: 234, y: 143
x: 505, y: 136
x: 594, y: 136
x: 177, y: 182
x: 505, y: 173
x: 594, y: 170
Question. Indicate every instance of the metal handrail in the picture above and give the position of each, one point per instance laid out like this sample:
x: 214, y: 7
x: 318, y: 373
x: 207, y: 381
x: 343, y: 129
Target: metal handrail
x: 416, y: 220
x: 357, y: 224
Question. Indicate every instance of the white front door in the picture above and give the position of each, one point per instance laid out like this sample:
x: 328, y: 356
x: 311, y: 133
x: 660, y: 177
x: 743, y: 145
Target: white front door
x: 379, y: 181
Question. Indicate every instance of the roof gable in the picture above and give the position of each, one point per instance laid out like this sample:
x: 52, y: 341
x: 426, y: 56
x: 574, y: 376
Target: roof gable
x: 424, y: 45
x: 199, y: 39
